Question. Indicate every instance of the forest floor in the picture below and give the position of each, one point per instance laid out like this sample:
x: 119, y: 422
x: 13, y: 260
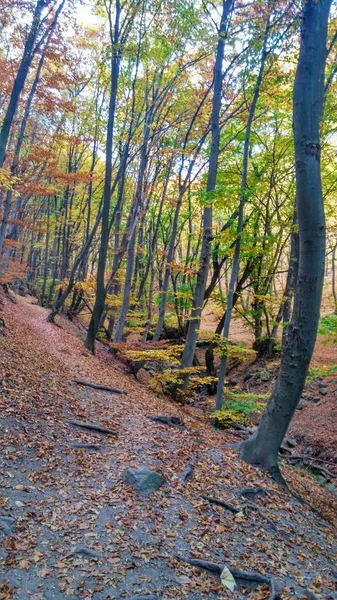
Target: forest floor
x: 75, y: 530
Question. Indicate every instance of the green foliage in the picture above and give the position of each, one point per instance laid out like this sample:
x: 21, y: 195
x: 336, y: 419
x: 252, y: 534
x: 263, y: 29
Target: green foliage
x: 321, y: 371
x: 166, y: 355
x: 328, y: 328
x: 226, y: 418
x: 238, y: 406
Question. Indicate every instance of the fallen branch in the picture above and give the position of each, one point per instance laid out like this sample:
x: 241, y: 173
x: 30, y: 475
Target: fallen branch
x: 244, y: 576
x: 92, y: 427
x: 96, y: 386
x: 221, y: 503
x: 171, y: 421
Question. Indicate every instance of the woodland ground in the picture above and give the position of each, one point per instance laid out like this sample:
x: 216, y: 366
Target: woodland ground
x: 64, y: 498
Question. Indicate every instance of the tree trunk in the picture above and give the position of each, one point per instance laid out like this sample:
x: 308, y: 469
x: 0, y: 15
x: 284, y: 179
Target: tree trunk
x: 199, y: 292
x: 28, y: 55
x: 100, y: 287
x: 333, y: 273
x: 263, y: 446
x: 291, y: 278
x: 243, y: 198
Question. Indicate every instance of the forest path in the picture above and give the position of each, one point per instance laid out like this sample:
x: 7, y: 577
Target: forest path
x: 63, y: 499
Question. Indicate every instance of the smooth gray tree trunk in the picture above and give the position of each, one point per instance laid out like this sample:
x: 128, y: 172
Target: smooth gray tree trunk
x: 263, y: 446
x: 103, y: 250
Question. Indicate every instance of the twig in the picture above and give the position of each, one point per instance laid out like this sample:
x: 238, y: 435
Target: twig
x: 96, y: 386
x: 93, y: 427
x: 221, y: 503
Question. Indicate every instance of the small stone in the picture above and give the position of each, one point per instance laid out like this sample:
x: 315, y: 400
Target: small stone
x: 323, y: 391
x: 290, y: 443
x: 144, y: 376
x: 8, y: 525
x: 302, y: 404
x: 143, y: 480
x: 247, y: 375
x: 265, y: 375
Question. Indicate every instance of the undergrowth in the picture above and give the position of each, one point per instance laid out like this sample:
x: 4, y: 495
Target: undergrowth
x: 237, y: 409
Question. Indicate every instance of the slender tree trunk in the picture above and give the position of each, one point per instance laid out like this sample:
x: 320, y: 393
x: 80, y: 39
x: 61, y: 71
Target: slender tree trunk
x: 138, y: 204
x: 291, y: 278
x: 263, y: 446
x: 199, y: 292
x: 168, y: 268
x: 100, y: 287
x: 46, y: 256
x: 243, y: 198
x: 20, y: 79
x: 333, y: 274
x: 20, y: 139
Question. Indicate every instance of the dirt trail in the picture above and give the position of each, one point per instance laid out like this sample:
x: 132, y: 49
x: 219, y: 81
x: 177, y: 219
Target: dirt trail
x: 65, y: 499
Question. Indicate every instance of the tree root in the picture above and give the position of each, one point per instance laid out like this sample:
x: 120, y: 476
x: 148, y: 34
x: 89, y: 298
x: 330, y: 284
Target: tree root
x: 86, y: 446
x: 221, y: 503
x: 241, y: 576
x: 256, y: 491
x: 262, y: 515
x: 171, y: 421
x: 92, y: 427
x: 310, y: 463
x: 186, y: 474
x: 96, y: 386
x: 310, y: 595
x: 235, y: 510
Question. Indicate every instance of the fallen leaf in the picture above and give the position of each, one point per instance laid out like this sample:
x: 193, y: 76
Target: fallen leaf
x: 227, y: 579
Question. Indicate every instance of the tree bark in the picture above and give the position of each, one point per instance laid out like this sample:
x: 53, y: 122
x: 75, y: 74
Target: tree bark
x: 28, y: 55
x: 199, y: 292
x: 263, y: 446
x: 243, y: 198
x: 100, y: 287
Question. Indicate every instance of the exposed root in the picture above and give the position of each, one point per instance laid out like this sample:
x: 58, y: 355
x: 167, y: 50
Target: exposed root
x: 96, y: 386
x: 171, y: 421
x: 221, y: 503
x: 186, y: 474
x: 92, y: 427
x: 240, y: 576
x: 235, y: 510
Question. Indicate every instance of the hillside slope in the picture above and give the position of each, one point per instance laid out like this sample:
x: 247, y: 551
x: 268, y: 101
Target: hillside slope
x: 75, y: 530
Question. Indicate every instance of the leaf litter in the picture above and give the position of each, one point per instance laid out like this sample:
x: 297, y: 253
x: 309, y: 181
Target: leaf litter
x: 65, y: 498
